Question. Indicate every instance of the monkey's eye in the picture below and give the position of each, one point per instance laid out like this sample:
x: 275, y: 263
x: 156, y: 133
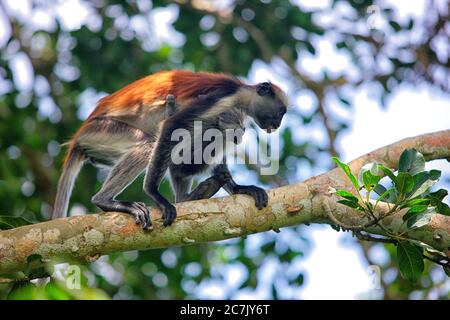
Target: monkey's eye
x: 264, y: 89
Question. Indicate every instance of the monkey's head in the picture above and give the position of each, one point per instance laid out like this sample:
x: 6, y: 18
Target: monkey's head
x: 268, y: 106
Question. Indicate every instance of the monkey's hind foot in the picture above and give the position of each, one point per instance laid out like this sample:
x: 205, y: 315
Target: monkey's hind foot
x: 138, y: 209
x: 142, y: 215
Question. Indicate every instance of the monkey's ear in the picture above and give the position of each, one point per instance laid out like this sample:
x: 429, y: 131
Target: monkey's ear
x: 264, y: 89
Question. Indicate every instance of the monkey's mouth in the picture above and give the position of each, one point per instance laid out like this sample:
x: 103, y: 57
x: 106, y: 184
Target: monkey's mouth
x: 271, y: 129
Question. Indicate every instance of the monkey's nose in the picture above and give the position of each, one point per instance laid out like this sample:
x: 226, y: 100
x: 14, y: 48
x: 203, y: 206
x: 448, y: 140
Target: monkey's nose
x: 272, y: 128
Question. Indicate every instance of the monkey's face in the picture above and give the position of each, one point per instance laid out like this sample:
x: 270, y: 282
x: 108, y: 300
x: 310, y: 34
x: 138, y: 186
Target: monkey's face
x: 269, y: 106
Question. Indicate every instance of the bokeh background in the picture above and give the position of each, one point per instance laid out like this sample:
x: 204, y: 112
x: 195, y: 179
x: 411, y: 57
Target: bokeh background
x: 360, y: 74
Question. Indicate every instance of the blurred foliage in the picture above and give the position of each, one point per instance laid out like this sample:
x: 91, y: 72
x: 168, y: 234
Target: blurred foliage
x: 52, y: 72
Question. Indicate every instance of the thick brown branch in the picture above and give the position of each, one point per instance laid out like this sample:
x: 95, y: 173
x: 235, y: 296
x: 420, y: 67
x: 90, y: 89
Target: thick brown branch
x: 84, y: 238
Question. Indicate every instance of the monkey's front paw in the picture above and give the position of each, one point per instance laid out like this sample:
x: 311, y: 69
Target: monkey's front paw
x: 259, y: 194
x: 169, y: 215
x: 141, y: 215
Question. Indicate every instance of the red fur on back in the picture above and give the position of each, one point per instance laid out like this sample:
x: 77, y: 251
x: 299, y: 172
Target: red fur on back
x: 183, y: 84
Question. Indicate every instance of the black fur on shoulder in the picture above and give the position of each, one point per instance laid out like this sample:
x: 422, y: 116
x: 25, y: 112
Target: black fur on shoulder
x: 184, y: 117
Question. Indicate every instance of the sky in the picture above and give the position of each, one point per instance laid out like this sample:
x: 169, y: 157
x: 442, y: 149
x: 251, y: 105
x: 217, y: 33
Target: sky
x: 335, y: 268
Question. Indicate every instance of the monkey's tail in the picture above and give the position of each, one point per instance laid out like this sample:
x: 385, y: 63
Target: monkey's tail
x: 72, y: 165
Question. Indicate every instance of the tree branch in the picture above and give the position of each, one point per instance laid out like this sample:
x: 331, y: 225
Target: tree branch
x: 85, y: 238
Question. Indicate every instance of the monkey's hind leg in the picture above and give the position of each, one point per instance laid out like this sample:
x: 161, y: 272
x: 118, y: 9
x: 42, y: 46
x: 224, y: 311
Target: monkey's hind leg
x: 205, y: 190
x: 122, y: 174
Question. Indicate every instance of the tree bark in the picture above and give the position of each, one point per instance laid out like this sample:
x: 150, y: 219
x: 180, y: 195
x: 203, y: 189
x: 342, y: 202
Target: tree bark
x: 85, y: 238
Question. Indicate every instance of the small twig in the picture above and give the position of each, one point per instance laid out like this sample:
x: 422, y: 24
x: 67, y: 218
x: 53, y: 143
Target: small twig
x: 356, y: 228
x: 377, y: 220
x: 22, y: 280
x: 368, y: 237
x: 330, y: 214
x: 11, y: 280
x: 439, y: 262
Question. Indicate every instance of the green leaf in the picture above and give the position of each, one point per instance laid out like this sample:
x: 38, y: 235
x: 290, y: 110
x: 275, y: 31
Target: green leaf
x: 418, y: 209
x: 350, y: 204
x: 439, y: 194
x: 419, y: 179
x: 40, y: 272
x: 348, y: 172
x: 395, y: 25
x: 341, y: 45
x: 436, y: 200
x: 384, y: 195
x: 443, y: 208
x: 345, y: 101
x: 34, y: 268
x: 410, y: 261
x: 388, y: 172
x: 404, y: 183
x: 347, y: 195
x: 11, y: 222
x: 373, y: 168
x: 423, y: 181
x: 310, y: 47
x: 421, y: 219
x: 410, y: 24
x: 34, y: 257
x: 427, y: 247
x: 411, y: 162
x: 415, y: 202
x: 370, y: 180
x: 414, y: 210
x: 299, y: 280
x: 435, y: 174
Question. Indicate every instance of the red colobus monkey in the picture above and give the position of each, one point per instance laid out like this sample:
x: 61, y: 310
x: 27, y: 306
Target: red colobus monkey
x: 130, y: 132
